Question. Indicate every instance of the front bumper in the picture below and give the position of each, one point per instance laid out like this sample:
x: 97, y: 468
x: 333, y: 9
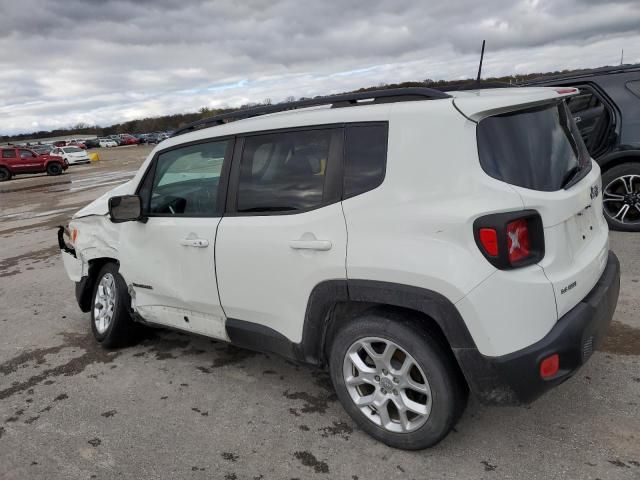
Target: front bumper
x: 515, y: 378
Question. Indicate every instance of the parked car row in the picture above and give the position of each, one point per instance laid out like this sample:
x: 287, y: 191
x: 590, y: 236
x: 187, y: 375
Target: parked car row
x: 100, y: 142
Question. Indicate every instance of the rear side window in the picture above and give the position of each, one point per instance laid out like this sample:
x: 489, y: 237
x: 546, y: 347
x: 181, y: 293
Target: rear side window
x: 283, y: 172
x: 365, y: 158
x: 10, y: 153
x: 539, y: 148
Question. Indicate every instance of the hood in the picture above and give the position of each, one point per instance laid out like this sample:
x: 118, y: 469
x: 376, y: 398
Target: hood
x: 479, y: 104
x: 100, y: 206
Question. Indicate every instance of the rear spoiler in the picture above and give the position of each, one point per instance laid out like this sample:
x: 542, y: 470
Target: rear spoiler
x: 485, y: 103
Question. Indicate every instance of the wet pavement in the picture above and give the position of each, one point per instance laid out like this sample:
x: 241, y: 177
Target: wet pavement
x: 177, y: 406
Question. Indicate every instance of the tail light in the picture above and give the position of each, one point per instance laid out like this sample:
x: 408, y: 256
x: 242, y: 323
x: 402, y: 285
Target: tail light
x: 510, y: 240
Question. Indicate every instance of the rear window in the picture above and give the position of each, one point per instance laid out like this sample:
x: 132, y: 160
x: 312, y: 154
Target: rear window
x: 365, y: 158
x: 538, y: 148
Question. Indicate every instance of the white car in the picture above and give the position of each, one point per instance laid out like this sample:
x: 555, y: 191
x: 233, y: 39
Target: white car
x: 107, y: 142
x: 417, y: 244
x: 73, y: 155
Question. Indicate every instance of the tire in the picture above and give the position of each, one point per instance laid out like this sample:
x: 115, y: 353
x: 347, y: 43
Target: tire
x: 110, y: 295
x: 5, y: 174
x: 443, y: 392
x: 622, y: 182
x: 54, y: 169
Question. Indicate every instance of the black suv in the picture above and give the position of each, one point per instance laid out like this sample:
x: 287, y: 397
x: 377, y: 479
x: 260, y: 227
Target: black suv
x: 607, y: 112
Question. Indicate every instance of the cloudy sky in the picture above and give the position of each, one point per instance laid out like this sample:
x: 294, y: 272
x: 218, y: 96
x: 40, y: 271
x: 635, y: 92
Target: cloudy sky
x: 103, y: 61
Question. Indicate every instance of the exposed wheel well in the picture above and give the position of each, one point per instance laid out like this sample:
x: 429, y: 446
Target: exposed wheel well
x: 86, y: 285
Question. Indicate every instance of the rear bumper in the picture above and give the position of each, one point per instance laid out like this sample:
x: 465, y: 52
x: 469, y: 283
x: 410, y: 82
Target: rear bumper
x: 515, y: 378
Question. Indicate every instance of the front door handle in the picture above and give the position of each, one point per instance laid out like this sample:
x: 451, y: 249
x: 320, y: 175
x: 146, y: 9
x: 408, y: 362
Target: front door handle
x: 194, y: 242
x: 322, y: 245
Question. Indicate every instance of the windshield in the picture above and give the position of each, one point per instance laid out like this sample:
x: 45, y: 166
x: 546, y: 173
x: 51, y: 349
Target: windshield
x: 72, y: 150
x: 538, y: 148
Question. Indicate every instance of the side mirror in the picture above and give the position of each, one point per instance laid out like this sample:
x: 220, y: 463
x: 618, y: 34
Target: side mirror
x: 125, y: 208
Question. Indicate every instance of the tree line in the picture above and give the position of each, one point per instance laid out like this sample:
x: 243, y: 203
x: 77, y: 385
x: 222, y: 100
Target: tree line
x: 178, y: 120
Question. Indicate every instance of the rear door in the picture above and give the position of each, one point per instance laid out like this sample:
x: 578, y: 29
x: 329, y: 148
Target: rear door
x: 540, y: 152
x: 284, y: 230
x: 11, y: 158
x: 169, y: 260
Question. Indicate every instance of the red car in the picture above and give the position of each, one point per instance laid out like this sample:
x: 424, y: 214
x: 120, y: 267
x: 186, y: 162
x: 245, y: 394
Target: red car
x: 129, y: 140
x: 14, y: 161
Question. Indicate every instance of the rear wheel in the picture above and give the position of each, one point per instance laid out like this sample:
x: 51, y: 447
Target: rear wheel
x: 621, y: 197
x: 54, y: 169
x: 111, y: 322
x: 5, y: 174
x: 396, y: 381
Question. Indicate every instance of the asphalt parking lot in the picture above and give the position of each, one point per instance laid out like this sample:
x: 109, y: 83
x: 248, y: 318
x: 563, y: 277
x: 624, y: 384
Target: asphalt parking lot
x: 183, y: 407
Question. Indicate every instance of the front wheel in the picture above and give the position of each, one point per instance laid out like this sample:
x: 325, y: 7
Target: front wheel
x: 621, y: 197
x: 396, y: 380
x: 54, y: 169
x: 111, y: 322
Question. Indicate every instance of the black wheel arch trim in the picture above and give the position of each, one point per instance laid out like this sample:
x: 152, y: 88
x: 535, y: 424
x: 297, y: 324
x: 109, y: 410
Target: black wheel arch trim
x: 617, y: 157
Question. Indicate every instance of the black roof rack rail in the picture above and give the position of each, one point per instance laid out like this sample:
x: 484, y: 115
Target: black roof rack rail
x: 588, y: 72
x: 336, y: 101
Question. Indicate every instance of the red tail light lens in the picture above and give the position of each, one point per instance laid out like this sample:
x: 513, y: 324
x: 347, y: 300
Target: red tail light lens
x: 489, y: 240
x: 518, y: 243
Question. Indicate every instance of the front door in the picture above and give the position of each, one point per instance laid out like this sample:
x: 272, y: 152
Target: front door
x: 29, y: 161
x: 284, y: 231
x: 168, y: 262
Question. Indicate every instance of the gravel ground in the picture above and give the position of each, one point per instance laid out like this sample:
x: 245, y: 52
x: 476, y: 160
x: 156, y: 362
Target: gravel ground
x: 183, y: 407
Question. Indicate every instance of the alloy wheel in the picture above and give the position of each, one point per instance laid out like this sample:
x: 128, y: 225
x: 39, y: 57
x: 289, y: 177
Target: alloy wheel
x: 386, y: 383
x: 104, y: 303
x: 621, y: 199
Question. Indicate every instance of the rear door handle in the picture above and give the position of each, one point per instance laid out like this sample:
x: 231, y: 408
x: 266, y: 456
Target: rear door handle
x: 194, y: 242
x: 322, y: 245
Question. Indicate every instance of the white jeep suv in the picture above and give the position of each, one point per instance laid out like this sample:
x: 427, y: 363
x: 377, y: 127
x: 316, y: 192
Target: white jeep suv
x: 418, y: 244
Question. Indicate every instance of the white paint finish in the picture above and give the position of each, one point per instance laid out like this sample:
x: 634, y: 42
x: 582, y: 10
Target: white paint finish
x: 576, y: 237
x: 73, y: 266
x: 182, y: 277
x: 263, y: 280
x: 510, y: 310
x: 478, y: 104
x: 417, y: 228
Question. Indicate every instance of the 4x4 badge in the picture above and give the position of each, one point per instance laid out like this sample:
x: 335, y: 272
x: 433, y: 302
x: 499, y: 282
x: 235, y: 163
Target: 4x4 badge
x: 594, y: 191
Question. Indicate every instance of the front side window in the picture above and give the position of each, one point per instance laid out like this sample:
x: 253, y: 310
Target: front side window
x: 185, y: 181
x: 9, y: 153
x: 283, y: 172
x: 27, y: 154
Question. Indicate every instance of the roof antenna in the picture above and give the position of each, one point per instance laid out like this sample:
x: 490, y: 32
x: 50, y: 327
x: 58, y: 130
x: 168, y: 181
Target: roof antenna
x: 480, y: 67
x: 621, y: 56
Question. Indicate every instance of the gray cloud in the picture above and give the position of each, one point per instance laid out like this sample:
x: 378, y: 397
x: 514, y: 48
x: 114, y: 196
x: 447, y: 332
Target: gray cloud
x: 97, y: 61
